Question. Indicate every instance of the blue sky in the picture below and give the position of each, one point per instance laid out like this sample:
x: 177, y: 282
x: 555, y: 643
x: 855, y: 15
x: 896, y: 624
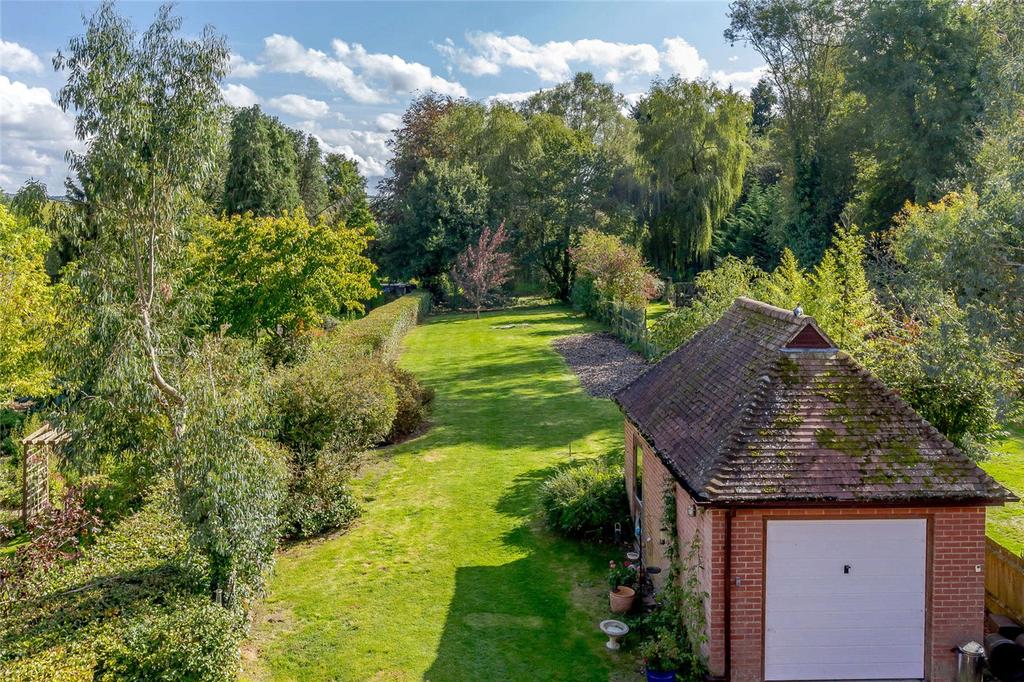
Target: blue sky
x: 344, y: 71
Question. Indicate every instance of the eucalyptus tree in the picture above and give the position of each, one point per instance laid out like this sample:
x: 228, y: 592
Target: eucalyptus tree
x: 147, y: 112
x: 693, y: 139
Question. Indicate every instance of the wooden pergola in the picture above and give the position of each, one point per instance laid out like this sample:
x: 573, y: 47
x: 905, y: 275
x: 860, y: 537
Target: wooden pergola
x: 36, y: 468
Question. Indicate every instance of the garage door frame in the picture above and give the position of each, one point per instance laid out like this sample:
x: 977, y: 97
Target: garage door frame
x: 883, y: 516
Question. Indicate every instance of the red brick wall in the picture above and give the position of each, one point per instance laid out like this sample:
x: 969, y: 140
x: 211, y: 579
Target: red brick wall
x: 954, y: 602
x: 955, y: 591
x: 704, y: 524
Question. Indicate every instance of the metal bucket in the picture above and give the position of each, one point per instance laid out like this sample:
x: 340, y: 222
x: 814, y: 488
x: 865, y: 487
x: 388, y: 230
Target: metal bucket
x: 968, y: 662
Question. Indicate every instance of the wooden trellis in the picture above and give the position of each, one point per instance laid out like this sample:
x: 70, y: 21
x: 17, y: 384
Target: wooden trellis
x: 39, y: 445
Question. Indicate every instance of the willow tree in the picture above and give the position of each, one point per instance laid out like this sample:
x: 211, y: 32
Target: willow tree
x: 693, y: 139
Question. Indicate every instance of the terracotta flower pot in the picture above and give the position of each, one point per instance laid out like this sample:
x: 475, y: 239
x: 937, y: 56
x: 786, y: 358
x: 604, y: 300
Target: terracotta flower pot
x: 621, y: 599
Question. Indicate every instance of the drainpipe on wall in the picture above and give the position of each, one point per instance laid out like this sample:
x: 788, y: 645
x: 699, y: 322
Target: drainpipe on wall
x: 728, y: 593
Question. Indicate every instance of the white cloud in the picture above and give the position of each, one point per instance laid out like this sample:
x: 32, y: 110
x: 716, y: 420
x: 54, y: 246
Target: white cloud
x: 239, y: 95
x: 682, y: 58
x: 400, y: 76
x: 387, y: 122
x: 739, y: 80
x: 474, y: 65
x: 631, y: 101
x: 734, y: 58
x: 553, y: 61
x: 368, y: 78
x: 34, y: 135
x: 300, y: 106
x: 15, y: 58
x: 368, y: 147
x: 238, y: 67
x: 510, y: 97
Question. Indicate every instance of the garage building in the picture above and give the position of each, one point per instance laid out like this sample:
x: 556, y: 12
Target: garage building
x: 842, y: 537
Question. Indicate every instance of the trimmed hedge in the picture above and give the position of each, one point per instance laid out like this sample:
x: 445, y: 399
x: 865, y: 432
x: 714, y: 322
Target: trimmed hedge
x: 413, y: 401
x: 319, y: 500
x: 339, y: 403
x: 380, y: 332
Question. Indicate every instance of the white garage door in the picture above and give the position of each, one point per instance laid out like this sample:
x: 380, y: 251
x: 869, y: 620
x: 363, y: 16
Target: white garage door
x: 844, y: 600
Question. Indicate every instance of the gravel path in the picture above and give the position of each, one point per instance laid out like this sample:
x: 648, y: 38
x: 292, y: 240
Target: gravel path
x: 602, y: 362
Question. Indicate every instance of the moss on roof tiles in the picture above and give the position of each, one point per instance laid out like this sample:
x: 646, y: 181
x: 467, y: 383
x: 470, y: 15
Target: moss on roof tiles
x: 733, y: 407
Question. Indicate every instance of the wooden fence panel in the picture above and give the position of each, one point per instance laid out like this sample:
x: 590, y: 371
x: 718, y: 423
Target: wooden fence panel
x: 628, y: 324
x: 1004, y: 581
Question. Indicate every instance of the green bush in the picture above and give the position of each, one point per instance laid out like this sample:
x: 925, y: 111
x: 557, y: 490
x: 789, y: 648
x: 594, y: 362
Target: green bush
x: 319, y: 499
x: 584, y: 296
x: 341, y: 404
x: 413, y: 401
x: 586, y: 500
x: 192, y: 639
x: 380, y: 332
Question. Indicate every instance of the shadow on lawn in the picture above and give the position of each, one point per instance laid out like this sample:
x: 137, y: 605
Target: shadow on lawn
x: 528, y: 619
x: 534, y: 618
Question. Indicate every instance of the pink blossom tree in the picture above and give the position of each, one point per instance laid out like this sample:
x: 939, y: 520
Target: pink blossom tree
x: 482, y: 268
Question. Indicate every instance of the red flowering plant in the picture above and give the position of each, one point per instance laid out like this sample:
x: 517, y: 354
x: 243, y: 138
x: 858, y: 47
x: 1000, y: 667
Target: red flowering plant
x: 621, y: 575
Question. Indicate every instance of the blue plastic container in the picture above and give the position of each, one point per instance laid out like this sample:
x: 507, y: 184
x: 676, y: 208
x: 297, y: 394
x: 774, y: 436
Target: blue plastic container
x: 656, y: 676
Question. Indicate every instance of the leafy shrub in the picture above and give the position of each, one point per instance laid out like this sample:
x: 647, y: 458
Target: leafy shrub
x: 584, y: 296
x: 586, y: 500
x: 617, y: 270
x: 380, y: 333
x: 192, y: 639
x: 341, y: 404
x: 413, y: 401
x: 319, y: 499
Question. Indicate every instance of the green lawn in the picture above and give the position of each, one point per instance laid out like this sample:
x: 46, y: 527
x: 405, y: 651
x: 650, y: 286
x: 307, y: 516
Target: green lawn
x: 1005, y: 525
x: 656, y: 309
x: 449, y: 575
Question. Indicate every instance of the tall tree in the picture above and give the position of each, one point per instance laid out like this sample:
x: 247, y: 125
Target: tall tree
x: 415, y: 141
x: 147, y: 109
x: 801, y: 42
x: 764, y: 100
x: 347, y: 201
x: 918, y: 66
x: 596, y: 110
x: 560, y: 180
x: 310, y: 174
x: 262, y: 166
x: 693, y: 136
x: 443, y: 210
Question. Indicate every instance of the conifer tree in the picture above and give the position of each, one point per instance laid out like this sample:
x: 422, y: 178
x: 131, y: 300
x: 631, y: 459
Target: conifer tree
x: 786, y: 286
x: 840, y: 298
x: 312, y: 183
x: 262, y: 166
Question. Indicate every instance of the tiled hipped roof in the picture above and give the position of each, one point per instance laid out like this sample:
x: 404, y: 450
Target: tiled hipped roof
x: 760, y: 407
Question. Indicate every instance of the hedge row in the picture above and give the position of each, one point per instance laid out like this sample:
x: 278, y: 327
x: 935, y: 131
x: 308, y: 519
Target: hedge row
x: 380, y: 332
x: 347, y: 395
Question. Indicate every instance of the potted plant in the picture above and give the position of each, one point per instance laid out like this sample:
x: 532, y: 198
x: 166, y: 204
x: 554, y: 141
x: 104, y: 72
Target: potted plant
x: 621, y: 583
x: 662, y: 657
